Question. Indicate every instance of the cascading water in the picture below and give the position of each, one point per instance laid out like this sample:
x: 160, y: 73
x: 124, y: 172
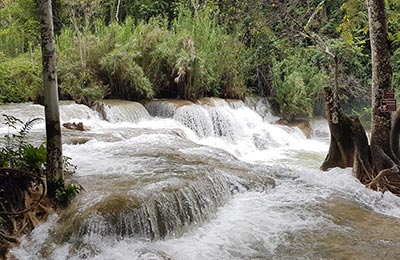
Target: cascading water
x: 124, y: 111
x: 212, y: 180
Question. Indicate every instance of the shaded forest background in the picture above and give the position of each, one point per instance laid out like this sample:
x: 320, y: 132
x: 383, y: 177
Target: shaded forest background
x: 190, y: 49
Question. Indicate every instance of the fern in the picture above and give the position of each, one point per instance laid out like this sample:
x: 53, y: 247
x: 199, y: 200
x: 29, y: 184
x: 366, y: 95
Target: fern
x: 28, y: 125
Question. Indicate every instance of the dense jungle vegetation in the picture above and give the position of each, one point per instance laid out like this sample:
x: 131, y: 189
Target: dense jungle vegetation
x: 190, y: 49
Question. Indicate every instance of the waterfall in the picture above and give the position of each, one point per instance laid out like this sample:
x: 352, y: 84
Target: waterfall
x: 212, y: 180
x: 262, y: 107
x: 196, y: 118
x: 161, y: 109
x: 168, y: 209
x: 72, y: 112
x: 165, y: 108
x: 124, y: 111
x: 235, y: 104
x: 165, y: 213
x: 235, y: 123
x: 210, y: 120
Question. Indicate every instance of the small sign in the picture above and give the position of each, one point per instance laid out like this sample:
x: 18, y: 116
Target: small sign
x: 388, y: 94
x: 388, y: 105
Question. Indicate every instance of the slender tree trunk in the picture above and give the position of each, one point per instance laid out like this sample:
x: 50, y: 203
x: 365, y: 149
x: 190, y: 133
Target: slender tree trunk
x: 54, y: 163
x: 382, y: 153
x: 117, y: 12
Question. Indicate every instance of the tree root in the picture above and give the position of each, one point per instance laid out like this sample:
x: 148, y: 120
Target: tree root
x: 23, y: 205
x: 380, y: 182
x: 28, y: 208
x: 8, y: 238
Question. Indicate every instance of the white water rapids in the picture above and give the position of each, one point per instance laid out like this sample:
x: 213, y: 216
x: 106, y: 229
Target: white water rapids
x: 205, y: 182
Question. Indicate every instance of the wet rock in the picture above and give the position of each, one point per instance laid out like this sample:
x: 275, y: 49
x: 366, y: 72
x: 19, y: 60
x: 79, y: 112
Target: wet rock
x: 74, y: 126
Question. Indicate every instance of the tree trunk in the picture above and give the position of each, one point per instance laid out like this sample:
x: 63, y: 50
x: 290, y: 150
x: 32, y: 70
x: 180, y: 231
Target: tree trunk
x: 341, y: 148
x: 377, y: 164
x: 54, y: 162
x: 117, y: 12
x: 381, y: 150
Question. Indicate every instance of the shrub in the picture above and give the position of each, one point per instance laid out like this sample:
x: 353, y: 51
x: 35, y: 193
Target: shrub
x: 16, y: 153
x: 20, y: 79
x: 68, y: 193
x: 297, y: 81
x: 79, y: 81
x: 208, y: 61
x: 194, y: 58
x: 124, y: 76
x: 19, y: 30
x: 189, y: 57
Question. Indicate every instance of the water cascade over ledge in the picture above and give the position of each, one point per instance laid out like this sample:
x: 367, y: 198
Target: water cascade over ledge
x: 215, y: 179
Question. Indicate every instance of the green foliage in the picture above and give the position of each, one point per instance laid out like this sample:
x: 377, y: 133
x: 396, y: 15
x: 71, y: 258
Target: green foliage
x: 34, y: 157
x: 109, y: 68
x: 393, y: 9
x: 144, y: 10
x: 364, y: 115
x: 396, y: 71
x: 354, y: 24
x: 77, y: 81
x: 192, y: 58
x: 20, y: 79
x: 154, y: 46
x: 65, y: 195
x: 201, y: 59
x: 124, y: 76
x: 16, y: 152
x: 19, y: 27
x: 298, y: 82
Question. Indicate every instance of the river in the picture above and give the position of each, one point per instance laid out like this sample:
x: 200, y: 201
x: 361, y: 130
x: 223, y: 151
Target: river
x: 216, y: 180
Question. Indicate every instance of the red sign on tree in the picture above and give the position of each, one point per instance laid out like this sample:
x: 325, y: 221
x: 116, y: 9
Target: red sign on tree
x: 389, y: 94
x: 388, y: 102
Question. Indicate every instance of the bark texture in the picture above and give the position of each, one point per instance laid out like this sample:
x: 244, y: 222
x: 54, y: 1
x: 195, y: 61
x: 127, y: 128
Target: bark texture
x: 341, y: 148
x: 381, y: 150
x: 54, y: 163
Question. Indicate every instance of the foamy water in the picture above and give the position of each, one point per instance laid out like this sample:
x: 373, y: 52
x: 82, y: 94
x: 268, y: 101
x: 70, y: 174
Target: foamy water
x: 298, y: 219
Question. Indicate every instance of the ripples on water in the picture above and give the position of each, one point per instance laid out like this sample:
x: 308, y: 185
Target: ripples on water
x: 203, y: 182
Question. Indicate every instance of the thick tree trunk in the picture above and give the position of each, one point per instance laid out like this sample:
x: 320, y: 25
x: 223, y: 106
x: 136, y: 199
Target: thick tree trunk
x: 341, y: 148
x: 381, y: 150
x: 349, y: 143
x: 54, y: 162
x: 362, y: 167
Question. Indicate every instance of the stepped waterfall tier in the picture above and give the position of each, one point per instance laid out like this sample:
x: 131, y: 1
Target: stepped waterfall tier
x: 215, y: 179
